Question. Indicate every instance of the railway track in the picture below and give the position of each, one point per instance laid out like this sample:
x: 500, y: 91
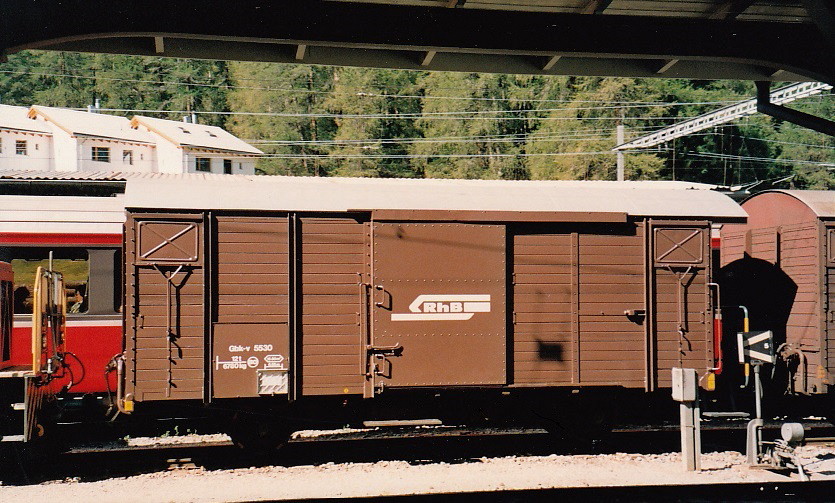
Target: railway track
x: 413, y: 445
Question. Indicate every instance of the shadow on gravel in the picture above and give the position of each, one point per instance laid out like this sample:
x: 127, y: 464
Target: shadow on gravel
x: 98, y: 465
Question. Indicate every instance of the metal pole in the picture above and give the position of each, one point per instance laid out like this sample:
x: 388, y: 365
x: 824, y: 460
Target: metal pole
x: 745, y: 328
x: 621, y: 169
x: 686, y: 392
x: 755, y: 434
x: 688, y: 437
x: 758, y: 391
x: 697, y: 432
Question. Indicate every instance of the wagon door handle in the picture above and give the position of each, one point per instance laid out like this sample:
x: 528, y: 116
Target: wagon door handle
x: 636, y: 315
x: 385, y: 350
x: 386, y: 297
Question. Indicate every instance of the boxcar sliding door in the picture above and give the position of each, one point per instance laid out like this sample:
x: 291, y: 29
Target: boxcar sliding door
x: 438, y: 304
x: 164, y: 318
x: 681, y: 314
x: 250, y: 338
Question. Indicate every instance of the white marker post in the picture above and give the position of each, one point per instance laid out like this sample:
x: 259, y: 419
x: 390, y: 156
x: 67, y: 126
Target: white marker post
x: 686, y: 391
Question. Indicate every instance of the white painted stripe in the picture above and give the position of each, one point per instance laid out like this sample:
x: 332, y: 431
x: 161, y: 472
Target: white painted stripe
x: 62, y: 227
x: 739, y: 347
x: 758, y: 338
x: 456, y: 298
x: 761, y: 356
x: 431, y: 317
x: 75, y: 323
x: 477, y: 307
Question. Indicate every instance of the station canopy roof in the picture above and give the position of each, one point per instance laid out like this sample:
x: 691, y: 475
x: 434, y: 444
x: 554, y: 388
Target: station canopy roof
x: 770, y: 40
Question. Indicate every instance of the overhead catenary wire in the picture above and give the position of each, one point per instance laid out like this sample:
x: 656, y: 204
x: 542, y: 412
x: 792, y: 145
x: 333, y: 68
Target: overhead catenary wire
x: 579, y: 135
x: 466, y: 115
x: 521, y: 138
x: 415, y: 116
x: 760, y: 159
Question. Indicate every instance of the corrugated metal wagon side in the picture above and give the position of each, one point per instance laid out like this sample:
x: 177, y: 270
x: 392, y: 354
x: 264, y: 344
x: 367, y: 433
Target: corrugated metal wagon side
x: 780, y: 266
x: 610, y: 304
x: 309, y: 290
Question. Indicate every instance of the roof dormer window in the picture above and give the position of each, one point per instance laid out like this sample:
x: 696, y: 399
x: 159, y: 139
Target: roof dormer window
x: 184, y: 130
x: 212, y: 134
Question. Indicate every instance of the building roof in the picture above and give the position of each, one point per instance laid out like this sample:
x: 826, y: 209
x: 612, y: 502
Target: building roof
x: 279, y: 193
x: 17, y: 118
x: 821, y: 202
x: 86, y: 124
x: 184, y: 134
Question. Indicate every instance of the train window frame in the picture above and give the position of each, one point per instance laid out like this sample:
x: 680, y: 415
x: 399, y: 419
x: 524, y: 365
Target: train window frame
x: 77, y: 299
x: 102, y: 295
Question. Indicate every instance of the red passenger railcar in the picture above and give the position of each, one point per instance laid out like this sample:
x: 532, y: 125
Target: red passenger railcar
x: 82, y: 236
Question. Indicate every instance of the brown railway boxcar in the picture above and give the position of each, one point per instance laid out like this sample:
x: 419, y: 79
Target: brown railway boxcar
x: 246, y: 288
x: 781, y: 266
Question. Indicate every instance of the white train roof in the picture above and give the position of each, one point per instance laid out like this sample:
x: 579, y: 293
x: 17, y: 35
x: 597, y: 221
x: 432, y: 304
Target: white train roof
x: 280, y: 193
x: 61, y: 214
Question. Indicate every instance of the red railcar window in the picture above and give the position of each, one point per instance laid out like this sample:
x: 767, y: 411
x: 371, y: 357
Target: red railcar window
x: 71, y: 262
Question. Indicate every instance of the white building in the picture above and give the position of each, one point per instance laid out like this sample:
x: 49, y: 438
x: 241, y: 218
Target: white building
x: 84, y: 141
x: 24, y: 143
x: 184, y: 147
x: 58, y: 139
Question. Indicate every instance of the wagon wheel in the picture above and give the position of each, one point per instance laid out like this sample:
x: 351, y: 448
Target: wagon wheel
x: 259, y: 433
x: 581, y: 432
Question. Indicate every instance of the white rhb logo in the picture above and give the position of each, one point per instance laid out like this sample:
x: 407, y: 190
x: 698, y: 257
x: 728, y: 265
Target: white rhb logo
x: 444, y: 307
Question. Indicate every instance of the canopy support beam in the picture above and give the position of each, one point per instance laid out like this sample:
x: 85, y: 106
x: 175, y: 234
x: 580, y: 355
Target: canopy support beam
x: 765, y: 106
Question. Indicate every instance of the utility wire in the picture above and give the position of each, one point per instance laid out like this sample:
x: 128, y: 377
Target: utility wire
x: 711, y: 155
x: 377, y: 116
x: 434, y: 140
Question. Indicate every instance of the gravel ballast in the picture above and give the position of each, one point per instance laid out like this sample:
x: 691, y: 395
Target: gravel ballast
x: 401, y: 477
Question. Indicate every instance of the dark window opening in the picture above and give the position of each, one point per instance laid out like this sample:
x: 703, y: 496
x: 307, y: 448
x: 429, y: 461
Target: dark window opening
x: 73, y: 263
x: 5, y: 319
x: 20, y: 147
x: 203, y: 164
x: 227, y: 166
x: 101, y: 154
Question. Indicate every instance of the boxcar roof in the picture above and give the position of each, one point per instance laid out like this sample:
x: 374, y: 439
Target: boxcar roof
x: 821, y: 202
x: 661, y: 199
